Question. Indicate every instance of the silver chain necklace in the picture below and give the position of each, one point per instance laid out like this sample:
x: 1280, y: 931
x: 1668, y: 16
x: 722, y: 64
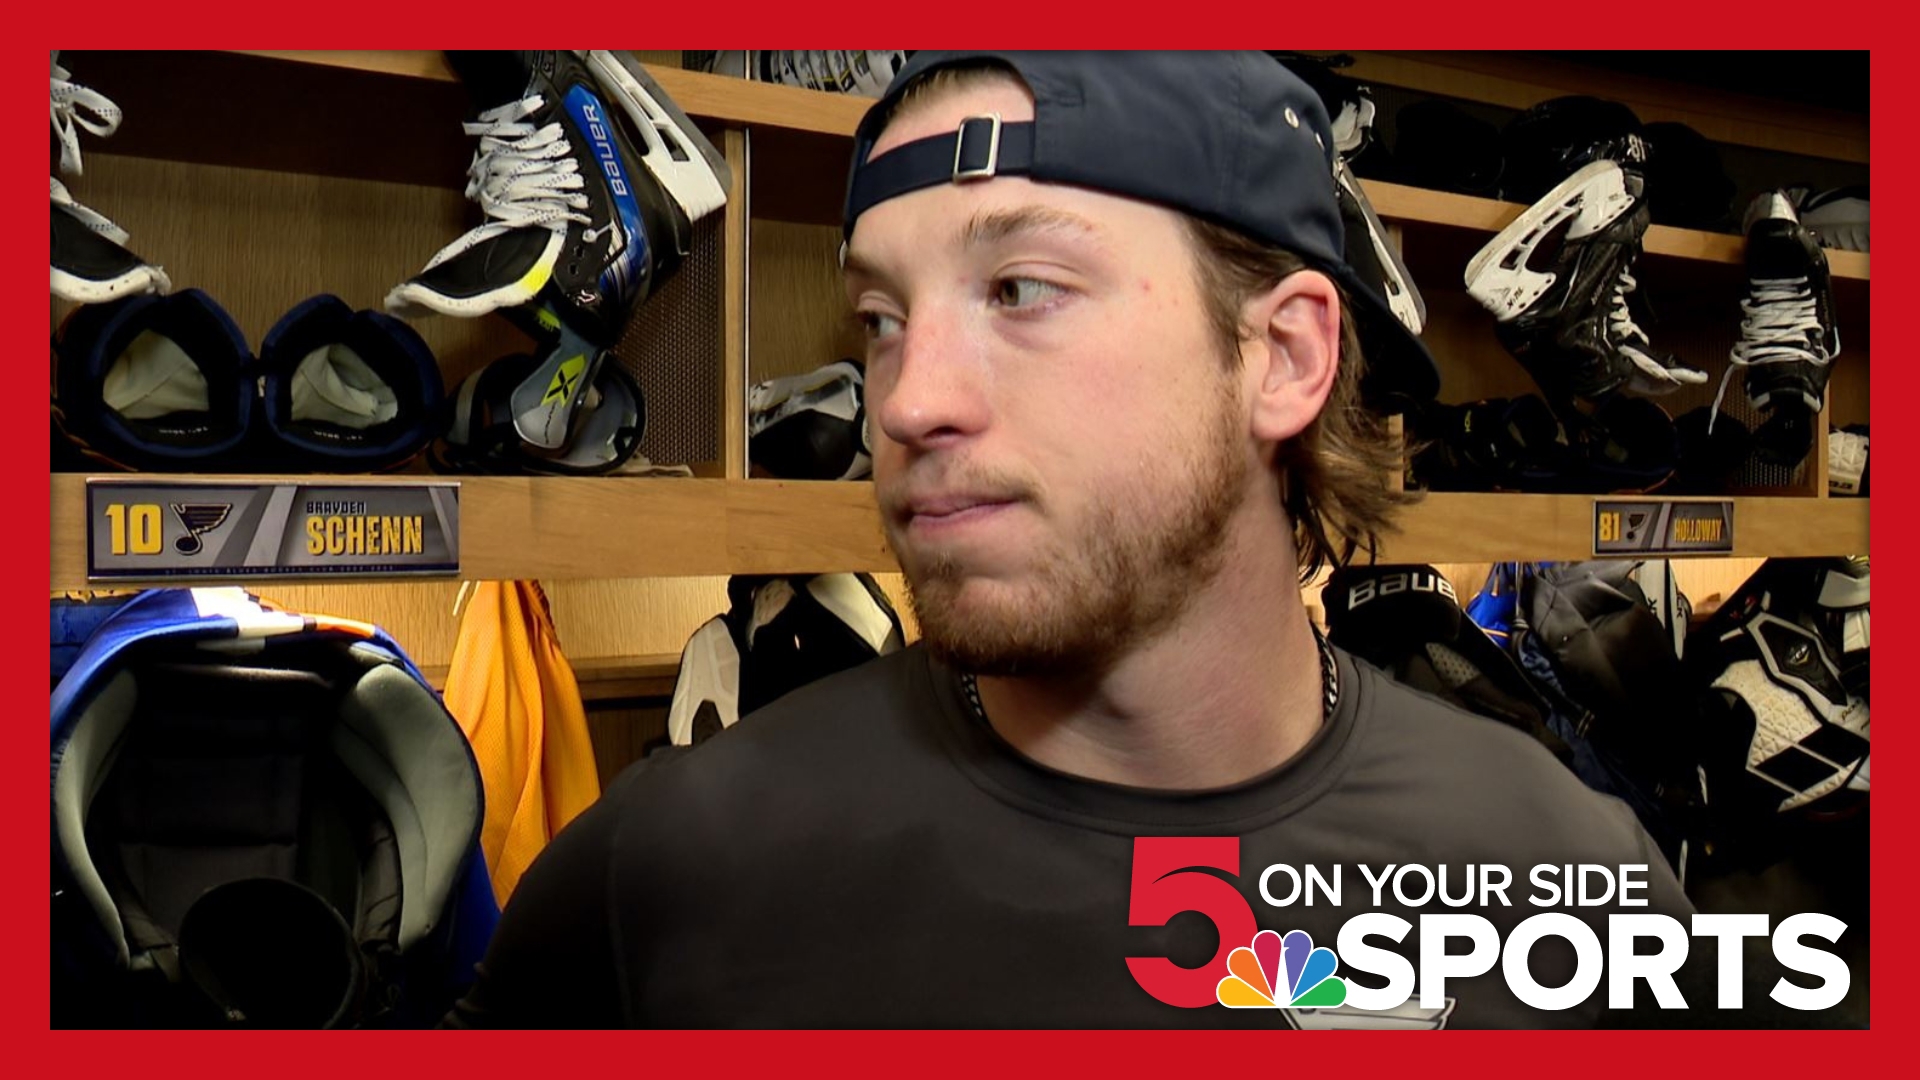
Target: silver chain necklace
x: 1329, y: 681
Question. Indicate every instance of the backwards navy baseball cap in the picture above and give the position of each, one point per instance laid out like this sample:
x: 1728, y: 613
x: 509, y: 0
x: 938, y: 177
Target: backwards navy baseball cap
x: 1232, y: 138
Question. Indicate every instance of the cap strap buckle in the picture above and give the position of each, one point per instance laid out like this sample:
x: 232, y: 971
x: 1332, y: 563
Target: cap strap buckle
x: 968, y: 148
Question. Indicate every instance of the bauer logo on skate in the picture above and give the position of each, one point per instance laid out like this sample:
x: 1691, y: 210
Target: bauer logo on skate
x: 1598, y: 910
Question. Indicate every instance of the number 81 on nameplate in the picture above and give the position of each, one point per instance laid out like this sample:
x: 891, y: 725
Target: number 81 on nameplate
x: 1662, y: 527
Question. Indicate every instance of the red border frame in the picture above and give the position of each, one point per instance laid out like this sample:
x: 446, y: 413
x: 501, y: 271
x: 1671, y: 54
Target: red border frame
x: 353, y: 24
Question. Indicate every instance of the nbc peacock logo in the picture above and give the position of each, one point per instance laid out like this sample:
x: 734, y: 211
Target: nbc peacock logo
x: 1282, y: 973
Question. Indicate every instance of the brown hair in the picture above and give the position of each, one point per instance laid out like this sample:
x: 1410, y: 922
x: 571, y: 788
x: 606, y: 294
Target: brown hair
x: 943, y: 81
x: 1337, y: 475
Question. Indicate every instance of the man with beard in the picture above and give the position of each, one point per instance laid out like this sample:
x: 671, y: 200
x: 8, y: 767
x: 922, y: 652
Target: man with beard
x: 1113, y: 380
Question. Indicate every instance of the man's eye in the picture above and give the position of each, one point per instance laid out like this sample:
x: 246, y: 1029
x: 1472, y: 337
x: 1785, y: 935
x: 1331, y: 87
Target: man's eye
x: 1023, y: 292
x: 878, y: 325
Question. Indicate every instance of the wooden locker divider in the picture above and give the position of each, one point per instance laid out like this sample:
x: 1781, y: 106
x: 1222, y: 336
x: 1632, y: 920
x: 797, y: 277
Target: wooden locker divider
x: 733, y: 368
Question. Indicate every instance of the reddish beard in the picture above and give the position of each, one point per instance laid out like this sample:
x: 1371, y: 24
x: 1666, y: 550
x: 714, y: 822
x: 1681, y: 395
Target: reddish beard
x: 1123, y: 576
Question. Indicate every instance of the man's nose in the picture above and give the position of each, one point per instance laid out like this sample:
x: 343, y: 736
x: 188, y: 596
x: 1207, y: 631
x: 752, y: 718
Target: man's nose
x: 936, y: 391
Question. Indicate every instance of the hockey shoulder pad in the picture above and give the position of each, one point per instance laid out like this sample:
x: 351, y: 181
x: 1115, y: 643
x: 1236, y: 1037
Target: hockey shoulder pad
x: 1784, y: 665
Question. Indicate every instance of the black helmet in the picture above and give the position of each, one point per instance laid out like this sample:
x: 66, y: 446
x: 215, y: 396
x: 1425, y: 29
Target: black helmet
x: 1687, y: 186
x: 1441, y: 146
x: 1551, y: 141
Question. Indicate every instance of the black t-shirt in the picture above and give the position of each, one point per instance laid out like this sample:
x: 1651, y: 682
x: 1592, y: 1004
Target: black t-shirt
x: 867, y: 852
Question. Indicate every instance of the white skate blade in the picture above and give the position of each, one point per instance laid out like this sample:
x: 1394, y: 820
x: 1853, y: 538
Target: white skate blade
x: 1498, y: 276
x: 142, y: 279
x: 698, y: 177
x: 1403, y: 297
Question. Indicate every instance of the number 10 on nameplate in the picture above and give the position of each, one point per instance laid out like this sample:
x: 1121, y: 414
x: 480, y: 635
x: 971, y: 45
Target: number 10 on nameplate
x: 152, y: 529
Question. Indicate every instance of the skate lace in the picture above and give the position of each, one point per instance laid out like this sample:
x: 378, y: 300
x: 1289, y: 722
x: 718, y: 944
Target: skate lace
x: 91, y: 218
x: 1782, y: 326
x: 73, y: 106
x: 522, y: 176
x: 1619, y: 317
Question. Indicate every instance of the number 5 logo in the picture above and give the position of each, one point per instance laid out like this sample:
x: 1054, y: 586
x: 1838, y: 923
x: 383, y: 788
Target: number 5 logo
x: 1169, y: 877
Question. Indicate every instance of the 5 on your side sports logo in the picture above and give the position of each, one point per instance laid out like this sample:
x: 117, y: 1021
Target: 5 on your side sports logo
x: 1174, y: 875
x: 1286, y: 973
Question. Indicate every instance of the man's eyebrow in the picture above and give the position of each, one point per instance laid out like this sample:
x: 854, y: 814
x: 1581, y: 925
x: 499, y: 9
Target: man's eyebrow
x: 853, y: 265
x: 989, y: 227
x: 992, y: 226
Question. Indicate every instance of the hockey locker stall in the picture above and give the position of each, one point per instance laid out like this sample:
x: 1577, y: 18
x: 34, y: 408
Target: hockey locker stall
x: 634, y: 565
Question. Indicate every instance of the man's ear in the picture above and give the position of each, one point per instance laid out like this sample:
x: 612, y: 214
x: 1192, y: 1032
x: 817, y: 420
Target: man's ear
x: 1292, y: 362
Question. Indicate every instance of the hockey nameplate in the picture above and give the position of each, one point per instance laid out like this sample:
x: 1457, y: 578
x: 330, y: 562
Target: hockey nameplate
x: 1660, y: 527
x: 150, y: 528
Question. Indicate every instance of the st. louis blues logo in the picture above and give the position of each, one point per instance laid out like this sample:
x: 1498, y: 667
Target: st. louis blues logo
x: 199, y: 518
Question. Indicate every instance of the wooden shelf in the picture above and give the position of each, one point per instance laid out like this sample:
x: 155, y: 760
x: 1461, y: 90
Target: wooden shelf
x: 700, y: 95
x: 603, y: 527
x: 1495, y: 78
x: 384, y: 116
x: 1553, y: 527
x: 1520, y: 82
x: 429, y: 64
x: 606, y: 678
x: 609, y: 527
